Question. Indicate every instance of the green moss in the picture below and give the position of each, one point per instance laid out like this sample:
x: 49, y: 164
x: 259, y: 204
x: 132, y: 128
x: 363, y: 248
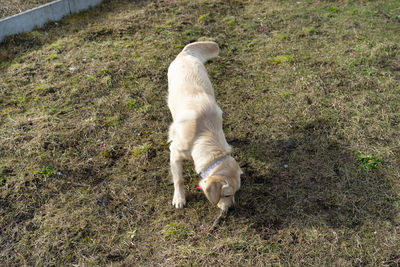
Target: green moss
x: 204, y: 18
x: 141, y: 150
x: 309, y: 30
x: 52, y: 57
x: 282, y: 59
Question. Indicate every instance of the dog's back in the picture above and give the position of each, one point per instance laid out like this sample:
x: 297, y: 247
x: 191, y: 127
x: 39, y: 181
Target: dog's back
x: 197, y: 117
x: 188, y: 83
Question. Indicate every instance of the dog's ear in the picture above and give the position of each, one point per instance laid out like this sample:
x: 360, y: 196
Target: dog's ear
x: 226, y: 190
x: 212, y: 191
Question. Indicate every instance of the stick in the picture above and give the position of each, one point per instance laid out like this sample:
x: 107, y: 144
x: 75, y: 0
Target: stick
x: 217, y: 220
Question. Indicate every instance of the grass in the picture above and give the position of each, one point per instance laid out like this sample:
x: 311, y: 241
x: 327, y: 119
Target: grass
x: 8, y: 8
x: 310, y: 93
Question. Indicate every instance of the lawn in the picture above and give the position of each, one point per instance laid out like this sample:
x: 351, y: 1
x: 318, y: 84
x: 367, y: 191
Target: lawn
x: 311, y: 99
x: 12, y: 7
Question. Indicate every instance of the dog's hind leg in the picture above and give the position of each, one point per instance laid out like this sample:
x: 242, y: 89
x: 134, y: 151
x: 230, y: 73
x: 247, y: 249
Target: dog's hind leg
x: 176, y: 158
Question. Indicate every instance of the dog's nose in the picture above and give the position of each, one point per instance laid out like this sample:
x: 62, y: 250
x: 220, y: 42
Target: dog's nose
x: 232, y: 208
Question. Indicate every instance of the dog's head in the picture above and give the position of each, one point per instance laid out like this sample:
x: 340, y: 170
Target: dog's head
x: 220, y: 190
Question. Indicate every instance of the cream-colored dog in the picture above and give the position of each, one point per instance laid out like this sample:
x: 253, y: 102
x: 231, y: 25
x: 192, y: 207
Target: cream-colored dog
x: 196, y: 131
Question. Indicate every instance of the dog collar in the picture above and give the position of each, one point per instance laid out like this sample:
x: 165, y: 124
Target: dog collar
x: 204, y: 174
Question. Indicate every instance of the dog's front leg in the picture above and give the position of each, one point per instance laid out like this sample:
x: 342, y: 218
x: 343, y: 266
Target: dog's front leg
x: 176, y: 169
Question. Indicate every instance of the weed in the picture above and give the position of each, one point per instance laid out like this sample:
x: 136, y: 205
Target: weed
x: 253, y: 42
x: 133, y: 104
x: 282, y: 36
x: 113, y: 121
x: 368, y: 162
x: 41, y: 87
x: 286, y: 94
x: 104, y: 71
x: 332, y: 11
x: 117, y: 47
x: 48, y: 170
x: 129, y: 44
x: 189, y: 33
x: 108, y: 153
x: 132, y: 233
x: 354, y: 11
x: 58, y: 46
x: 146, y: 108
x: 370, y: 72
x: 160, y: 28
x: 171, y: 22
x: 141, y: 150
x: 136, y: 106
x: 90, y: 78
x: 106, y: 80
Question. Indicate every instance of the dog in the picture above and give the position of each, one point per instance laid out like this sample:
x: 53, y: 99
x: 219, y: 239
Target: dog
x: 196, y: 131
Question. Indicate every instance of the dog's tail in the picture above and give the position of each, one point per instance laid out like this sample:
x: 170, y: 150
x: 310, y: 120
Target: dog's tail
x: 202, y: 50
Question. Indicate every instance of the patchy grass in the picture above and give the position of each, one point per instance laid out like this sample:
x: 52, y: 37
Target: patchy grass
x: 8, y: 8
x: 84, y: 176
x: 177, y: 231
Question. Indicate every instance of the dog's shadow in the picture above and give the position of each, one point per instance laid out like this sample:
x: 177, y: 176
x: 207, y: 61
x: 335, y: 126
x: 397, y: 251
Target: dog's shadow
x: 309, y: 179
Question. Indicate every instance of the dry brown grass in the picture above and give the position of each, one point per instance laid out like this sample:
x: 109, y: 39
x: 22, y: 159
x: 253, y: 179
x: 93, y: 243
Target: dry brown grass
x: 304, y: 87
x: 12, y: 7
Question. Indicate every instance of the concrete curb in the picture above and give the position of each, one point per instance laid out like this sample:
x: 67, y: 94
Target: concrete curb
x: 37, y: 17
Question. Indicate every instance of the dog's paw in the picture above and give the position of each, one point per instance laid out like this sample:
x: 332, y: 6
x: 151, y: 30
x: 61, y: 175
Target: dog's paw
x: 178, y: 202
